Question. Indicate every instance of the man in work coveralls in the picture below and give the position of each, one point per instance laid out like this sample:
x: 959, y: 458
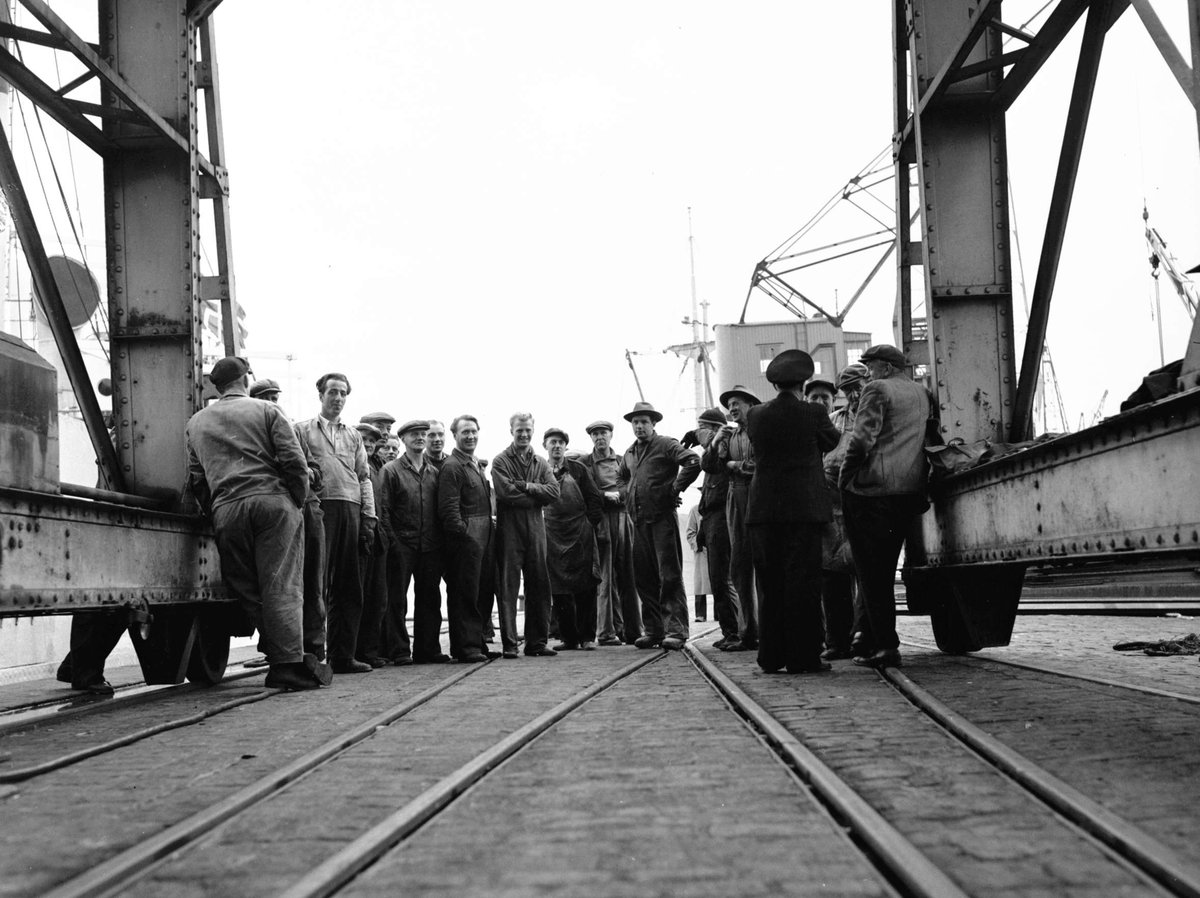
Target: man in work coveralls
x: 465, y: 510
x: 654, y: 471
x: 524, y: 484
x: 247, y: 470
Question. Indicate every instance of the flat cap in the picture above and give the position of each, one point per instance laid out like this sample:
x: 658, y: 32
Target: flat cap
x: 743, y: 392
x: 599, y: 425
x: 555, y: 432
x: 262, y: 387
x: 792, y: 366
x: 382, y: 420
x: 415, y: 424
x: 644, y: 408
x: 884, y: 352
x: 227, y: 370
x: 712, y: 416
x: 816, y: 383
x: 853, y: 374
x: 369, y: 430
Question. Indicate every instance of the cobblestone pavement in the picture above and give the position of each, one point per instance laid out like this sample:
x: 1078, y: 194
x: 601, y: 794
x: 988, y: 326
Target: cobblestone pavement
x: 1082, y: 644
x: 653, y: 788
x: 985, y: 832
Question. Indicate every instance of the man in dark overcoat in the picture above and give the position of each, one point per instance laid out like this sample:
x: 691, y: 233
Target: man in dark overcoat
x: 788, y: 504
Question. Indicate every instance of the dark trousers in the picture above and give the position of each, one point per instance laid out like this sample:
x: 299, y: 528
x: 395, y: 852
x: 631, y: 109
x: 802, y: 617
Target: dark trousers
x: 314, y: 579
x: 741, y: 562
x: 716, y: 549
x: 373, y: 570
x: 576, y: 615
x: 343, y: 589
x: 837, y: 605
x: 658, y: 565
x: 470, y: 578
x: 423, y: 569
x: 787, y: 561
x: 94, y: 634
x: 521, y: 552
x: 876, y: 527
x: 617, y: 610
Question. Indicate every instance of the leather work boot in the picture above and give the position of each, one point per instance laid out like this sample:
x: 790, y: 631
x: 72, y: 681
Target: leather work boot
x: 881, y: 658
x: 321, y: 671
x: 292, y: 677
x: 647, y: 642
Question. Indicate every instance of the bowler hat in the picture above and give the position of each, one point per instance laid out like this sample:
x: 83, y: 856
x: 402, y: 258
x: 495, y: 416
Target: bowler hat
x: 712, y: 416
x: 599, y: 425
x: 555, y: 432
x: 884, y: 352
x: 227, y: 370
x: 792, y: 366
x: 817, y: 382
x: 369, y: 430
x: 644, y: 408
x: 262, y: 387
x: 382, y: 420
x: 409, y: 426
x: 739, y: 390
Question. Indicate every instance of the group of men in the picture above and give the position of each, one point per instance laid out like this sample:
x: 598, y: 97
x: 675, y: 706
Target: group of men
x: 322, y: 526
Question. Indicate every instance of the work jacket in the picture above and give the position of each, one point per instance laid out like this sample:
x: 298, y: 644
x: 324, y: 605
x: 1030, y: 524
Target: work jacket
x: 523, y: 480
x: 408, y: 504
x: 789, y: 436
x: 339, y: 451
x: 240, y: 447
x: 886, y: 453
x: 653, y: 474
x: 463, y: 492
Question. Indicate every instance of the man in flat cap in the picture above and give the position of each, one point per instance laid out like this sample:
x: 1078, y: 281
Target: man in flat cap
x: 408, y: 514
x: 732, y: 450
x: 348, y: 502
x: 372, y: 563
x: 465, y: 510
x: 821, y: 392
x: 788, y: 505
x: 571, y: 555
x: 618, y: 613
x: 883, y: 480
x: 713, y: 535
x: 247, y: 470
x: 654, y: 471
x: 381, y: 420
x: 524, y: 485
x: 266, y: 388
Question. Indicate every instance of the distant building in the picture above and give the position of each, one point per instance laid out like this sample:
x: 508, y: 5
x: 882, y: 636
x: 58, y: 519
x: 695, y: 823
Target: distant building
x: 745, y: 350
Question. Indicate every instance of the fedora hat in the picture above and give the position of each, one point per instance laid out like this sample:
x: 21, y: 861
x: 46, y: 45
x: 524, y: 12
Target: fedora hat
x: 644, y: 408
x: 739, y: 390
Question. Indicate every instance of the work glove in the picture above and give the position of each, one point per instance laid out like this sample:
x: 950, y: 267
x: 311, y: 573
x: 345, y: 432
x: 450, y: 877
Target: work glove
x: 690, y: 440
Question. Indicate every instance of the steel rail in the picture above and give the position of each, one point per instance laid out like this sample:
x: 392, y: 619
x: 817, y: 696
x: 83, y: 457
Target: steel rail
x: 899, y: 858
x: 1132, y: 844
x: 352, y: 860
x: 121, y: 869
x: 1132, y: 687
x: 25, y: 773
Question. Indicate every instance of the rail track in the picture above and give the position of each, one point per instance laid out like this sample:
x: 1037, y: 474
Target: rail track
x: 802, y: 725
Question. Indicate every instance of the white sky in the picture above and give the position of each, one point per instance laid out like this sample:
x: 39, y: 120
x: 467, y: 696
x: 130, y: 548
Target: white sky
x: 477, y: 207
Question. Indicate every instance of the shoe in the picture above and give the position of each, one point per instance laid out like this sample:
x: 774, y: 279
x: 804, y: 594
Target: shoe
x: 881, y: 658
x: 543, y: 652
x: 588, y: 646
x: 510, y: 654
x: 292, y: 677
x: 321, y: 671
x: 835, y: 654
x: 819, y: 667
x: 611, y: 640
x: 376, y: 661
x: 566, y: 647
x: 647, y: 642
x: 96, y: 687
x: 735, y: 645
x: 402, y: 662
x: 492, y: 656
x: 721, y: 643
x: 349, y: 667
x: 433, y: 659
x: 674, y: 643
x: 256, y: 662
x: 860, y: 646
x: 475, y: 658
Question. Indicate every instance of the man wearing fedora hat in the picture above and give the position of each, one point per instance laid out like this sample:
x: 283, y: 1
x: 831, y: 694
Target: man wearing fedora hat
x: 788, y: 504
x: 618, y: 615
x: 732, y: 450
x: 247, y: 470
x: 883, y: 480
x: 654, y: 471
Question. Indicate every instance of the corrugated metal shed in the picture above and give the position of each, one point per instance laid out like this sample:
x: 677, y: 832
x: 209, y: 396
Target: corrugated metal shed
x: 745, y: 350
